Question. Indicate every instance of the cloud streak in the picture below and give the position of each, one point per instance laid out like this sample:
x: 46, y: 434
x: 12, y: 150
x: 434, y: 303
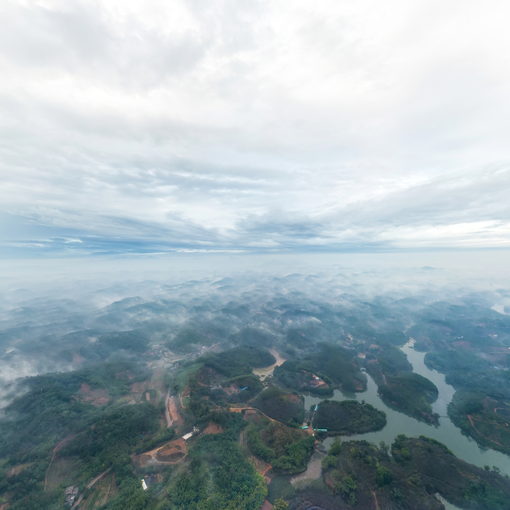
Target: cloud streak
x: 253, y: 126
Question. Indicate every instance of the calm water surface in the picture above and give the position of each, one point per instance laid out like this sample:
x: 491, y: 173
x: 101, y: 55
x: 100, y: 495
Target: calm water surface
x: 398, y: 423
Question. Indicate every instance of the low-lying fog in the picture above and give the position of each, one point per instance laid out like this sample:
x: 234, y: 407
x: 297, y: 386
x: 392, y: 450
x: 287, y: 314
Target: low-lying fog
x: 55, y: 314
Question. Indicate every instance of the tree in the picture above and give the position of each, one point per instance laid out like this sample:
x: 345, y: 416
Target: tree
x: 280, y: 504
x: 383, y: 476
x: 336, y: 447
x: 346, y: 486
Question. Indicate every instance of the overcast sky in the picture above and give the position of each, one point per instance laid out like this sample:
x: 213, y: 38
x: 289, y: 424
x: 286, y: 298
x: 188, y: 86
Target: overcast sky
x: 151, y: 126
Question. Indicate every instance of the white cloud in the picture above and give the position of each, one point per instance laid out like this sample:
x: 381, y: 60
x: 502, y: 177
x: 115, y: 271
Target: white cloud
x: 269, y: 124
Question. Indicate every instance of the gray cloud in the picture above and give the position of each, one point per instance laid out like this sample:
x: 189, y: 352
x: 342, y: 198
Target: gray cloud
x: 251, y: 126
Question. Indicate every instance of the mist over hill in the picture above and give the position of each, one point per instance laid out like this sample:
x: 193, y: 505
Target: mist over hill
x: 57, y: 314
x: 170, y: 371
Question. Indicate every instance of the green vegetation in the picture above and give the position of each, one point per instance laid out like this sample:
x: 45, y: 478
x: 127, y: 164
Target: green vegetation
x: 241, y: 389
x: 469, y: 344
x: 91, y: 429
x: 133, y: 341
x: 52, y: 408
x: 485, y: 419
x: 281, y: 405
x: 102, y: 438
x: 348, y: 417
x: 457, y: 481
x: 287, y: 450
x: 298, y: 376
x: 224, y: 378
x: 219, y: 476
x: 27, y: 488
x: 411, y: 394
x: 467, y: 370
x: 131, y: 496
x: 253, y: 336
x: 196, y: 333
x: 281, y: 488
x: 338, y: 365
x: 471, y: 323
x: 346, y: 486
x: 400, y: 388
x: 239, y: 361
x: 114, y: 435
x: 90, y: 438
x: 280, y: 504
x: 418, y: 468
x: 392, y: 361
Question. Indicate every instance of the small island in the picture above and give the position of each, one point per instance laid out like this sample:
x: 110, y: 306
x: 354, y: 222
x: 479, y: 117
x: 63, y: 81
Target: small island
x: 347, y: 417
x: 411, y: 394
x: 400, y: 388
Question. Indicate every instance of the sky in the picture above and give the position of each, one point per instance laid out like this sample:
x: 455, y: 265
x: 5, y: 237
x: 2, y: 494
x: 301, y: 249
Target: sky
x: 259, y: 126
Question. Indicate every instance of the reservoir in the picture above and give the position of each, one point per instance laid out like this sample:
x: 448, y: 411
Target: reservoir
x: 447, y: 433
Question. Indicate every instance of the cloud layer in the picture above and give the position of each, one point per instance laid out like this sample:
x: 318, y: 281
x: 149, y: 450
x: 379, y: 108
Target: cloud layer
x: 131, y: 126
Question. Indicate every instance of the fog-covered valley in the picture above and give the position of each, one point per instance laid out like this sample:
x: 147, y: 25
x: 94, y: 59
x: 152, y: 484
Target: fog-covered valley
x: 77, y: 351
x: 63, y: 317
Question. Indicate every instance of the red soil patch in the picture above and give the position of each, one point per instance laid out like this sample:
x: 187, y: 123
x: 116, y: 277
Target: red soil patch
x: 291, y: 397
x: 252, y: 411
x: 266, y: 506
x: 97, y: 397
x: 260, y: 466
x: 172, y: 452
x: 77, y: 359
x: 169, y: 453
x: 213, y: 428
x: 171, y: 413
x: 309, y: 430
x: 253, y: 416
x: 231, y: 390
x: 265, y: 471
x: 138, y: 387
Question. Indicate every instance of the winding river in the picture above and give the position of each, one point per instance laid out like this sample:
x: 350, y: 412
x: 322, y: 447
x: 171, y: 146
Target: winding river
x: 398, y: 423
